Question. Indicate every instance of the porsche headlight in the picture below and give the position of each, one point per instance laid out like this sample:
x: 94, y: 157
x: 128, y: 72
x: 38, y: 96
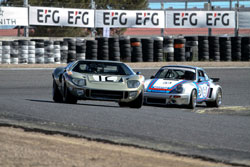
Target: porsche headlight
x: 79, y: 82
x: 179, y: 88
x: 133, y: 83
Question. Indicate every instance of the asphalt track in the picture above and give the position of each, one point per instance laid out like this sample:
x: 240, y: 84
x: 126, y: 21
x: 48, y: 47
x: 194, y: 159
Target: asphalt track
x: 219, y: 135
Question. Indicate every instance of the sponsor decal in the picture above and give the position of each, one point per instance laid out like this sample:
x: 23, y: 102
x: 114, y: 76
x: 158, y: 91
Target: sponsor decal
x: 61, y: 17
x: 200, y: 19
x: 155, y: 86
x: 13, y: 16
x: 125, y: 18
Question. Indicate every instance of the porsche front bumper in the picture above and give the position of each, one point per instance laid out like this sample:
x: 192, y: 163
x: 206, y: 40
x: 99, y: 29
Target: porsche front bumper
x: 166, y: 98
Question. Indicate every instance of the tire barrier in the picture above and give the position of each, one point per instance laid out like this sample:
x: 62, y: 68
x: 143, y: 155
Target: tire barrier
x: 114, y: 49
x: 192, y: 48
x: 214, y: 48
x: 23, y: 51
x: 147, y: 50
x: 71, y: 49
x: 225, y: 49
x: 31, y: 52
x: 91, y: 49
x: 203, y: 48
x: 103, y: 48
x: 64, y: 51
x: 125, y: 49
x: 168, y: 45
x: 236, y: 48
x: 179, y: 49
x: 6, y: 52
x: 80, y: 49
x: 245, y: 49
x: 39, y: 51
x: 14, y: 52
x: 158, y: 49
x: 49, y: 54
x: 136, y: 50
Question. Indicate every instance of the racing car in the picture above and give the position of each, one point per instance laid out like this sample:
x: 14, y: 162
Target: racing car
x: 98, y: 80
x: 182, y: 85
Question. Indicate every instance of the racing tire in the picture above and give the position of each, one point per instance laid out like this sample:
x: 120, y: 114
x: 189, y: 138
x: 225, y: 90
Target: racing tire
x: 138, y: 102
x: 57, y: 96
x: 67, y: 96
x: 217, y: 101
x: 193, y: 99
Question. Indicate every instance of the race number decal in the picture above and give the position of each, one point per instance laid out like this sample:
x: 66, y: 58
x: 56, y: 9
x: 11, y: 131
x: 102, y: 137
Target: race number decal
x: 101, y: 78
x: 203, y: 91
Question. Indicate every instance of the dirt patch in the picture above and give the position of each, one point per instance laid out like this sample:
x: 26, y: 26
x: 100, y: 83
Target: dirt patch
x: 19, y: 148
x: 141, y: 65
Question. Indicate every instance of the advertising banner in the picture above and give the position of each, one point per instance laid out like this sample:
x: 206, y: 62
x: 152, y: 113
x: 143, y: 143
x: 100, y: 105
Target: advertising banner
x: 244, y: 18
x: 130, y: 18
x: 13, y: 16
x: 200, y: 19
x: 47, y: 16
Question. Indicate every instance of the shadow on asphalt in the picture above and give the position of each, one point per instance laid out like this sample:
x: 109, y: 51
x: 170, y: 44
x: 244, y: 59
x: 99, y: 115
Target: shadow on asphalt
x: 93, y: 105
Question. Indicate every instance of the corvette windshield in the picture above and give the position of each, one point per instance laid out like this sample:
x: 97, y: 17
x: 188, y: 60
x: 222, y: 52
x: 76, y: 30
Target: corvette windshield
x: 171, y: 73
x: 102, y: 68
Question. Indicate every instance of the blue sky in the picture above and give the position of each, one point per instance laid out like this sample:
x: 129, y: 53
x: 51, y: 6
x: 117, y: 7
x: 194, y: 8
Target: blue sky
x: 181, y: 5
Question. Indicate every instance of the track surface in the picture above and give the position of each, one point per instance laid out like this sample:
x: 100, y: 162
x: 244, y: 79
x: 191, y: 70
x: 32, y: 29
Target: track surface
x: 25, y: 99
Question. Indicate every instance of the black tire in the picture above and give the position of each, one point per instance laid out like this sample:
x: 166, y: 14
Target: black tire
x: 193, y: 98
x: 57, y: 96
x: 137, y: 103
x: 217, y: 101
x: 67, y: 96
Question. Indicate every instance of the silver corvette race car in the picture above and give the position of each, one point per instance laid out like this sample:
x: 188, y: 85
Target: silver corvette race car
x: 182, y: 85
x: 98, y: 80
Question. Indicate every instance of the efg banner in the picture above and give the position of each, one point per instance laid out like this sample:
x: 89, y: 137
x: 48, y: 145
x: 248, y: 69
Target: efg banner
x: 200, y: 19
x: 13, y: 16
x: 48, y: 16
x: 130, y: 18
x: 244, y: 19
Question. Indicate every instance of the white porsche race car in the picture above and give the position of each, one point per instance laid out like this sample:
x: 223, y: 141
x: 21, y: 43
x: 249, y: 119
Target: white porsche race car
x: 182, y: 85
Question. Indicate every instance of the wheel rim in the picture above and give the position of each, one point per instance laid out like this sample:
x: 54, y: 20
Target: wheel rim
x: 194, y: 98
x: 219, y: 98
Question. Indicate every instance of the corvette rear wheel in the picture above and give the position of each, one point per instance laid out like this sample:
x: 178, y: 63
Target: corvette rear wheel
x: 57, y: 96
x: 67, y: 96
x: 193, y: 99
x: 217, y: 101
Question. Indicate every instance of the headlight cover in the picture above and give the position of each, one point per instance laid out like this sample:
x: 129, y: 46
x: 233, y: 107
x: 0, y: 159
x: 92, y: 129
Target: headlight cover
x: 178, y: 89
x: 79, y: 82
x: 133, y: 83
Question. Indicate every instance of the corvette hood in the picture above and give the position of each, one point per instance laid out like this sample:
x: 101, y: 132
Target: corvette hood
x: 162, y: 85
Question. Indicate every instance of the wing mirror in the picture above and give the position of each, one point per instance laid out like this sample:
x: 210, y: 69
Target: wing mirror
x: 138, y: 73
x: 152, y: 77
x: 201, y: 79
x: 215, y: 79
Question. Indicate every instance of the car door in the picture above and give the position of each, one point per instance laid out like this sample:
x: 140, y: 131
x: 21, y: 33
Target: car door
x: 203, y: 86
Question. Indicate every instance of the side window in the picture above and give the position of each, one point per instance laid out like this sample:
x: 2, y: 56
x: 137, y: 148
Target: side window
x: 203, y: 74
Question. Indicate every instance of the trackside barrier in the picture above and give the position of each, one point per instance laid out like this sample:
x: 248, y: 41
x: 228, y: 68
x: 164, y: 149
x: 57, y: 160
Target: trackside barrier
x: 190, y: 48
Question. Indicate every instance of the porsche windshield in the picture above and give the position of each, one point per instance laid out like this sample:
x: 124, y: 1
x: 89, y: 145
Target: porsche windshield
x: 178, y: 73
x: 102, y: 68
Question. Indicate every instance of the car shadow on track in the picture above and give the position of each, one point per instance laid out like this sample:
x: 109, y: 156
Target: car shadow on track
x: 93, y: 105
